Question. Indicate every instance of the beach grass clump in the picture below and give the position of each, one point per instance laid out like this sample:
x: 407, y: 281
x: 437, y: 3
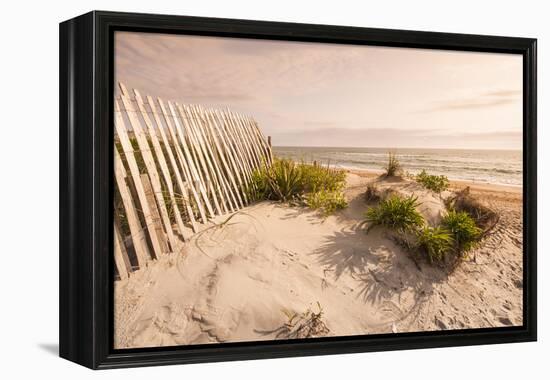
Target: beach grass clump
x: 326, y: 201
x: 396, y: 213
x: 322, y: 177
x: 323, y: 188
x: 459, y: 231
x: 436, y: 183
x: 393, y: 167
x: 465, y: 224
x: 435, y: 242
x: 316, y: 186
x: 463, y: 228
x: 259, y: 187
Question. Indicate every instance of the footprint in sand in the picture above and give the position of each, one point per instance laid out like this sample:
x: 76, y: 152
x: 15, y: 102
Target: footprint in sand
x: 165, y: 326
x: 213, y: 327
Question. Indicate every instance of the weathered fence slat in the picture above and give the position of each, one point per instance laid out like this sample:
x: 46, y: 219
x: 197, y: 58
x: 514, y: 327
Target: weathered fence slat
x: 122, y: 261
x: 193, y: 172
x: 155, y: 213
x: 135, y: 174
x: 233, y: 135
x: 225, y: 155
x: 182, y: 160
x: 238, y: 169
x: 208, y: 141
x: 255, y: 144
x: 177, y: 165
x: 175, y: 171
x: 221, y: 154
x: 198, y: 148
x: 197, y: 131
x: 138, y: 238
x: 150, y: 165
x: 165, y: 176
x: 245, y: 141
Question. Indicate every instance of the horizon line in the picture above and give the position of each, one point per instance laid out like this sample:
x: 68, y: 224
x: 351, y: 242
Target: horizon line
x: 390, y: 148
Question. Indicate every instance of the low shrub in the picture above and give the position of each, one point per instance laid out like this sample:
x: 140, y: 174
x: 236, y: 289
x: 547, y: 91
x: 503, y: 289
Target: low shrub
x: 395, y: 213
x: 326, y: 201
x: 463, y: 228
x: 436, y: 183
x: 321, y: 177
x: 435, y: 242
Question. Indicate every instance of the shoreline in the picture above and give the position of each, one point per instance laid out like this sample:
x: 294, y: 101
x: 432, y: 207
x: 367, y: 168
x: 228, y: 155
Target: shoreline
x: 492, y: 176
x: 455, y: 183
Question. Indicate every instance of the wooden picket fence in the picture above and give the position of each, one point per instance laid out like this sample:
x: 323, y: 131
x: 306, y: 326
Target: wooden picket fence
x: 176, y: 167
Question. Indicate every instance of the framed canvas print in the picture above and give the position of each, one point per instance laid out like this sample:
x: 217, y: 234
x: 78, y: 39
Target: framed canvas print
x: 236, y: 189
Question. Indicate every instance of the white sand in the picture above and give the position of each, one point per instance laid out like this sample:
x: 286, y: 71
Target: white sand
x: 240, y: 281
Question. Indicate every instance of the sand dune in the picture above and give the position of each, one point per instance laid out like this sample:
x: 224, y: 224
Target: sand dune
x: 243, y: 280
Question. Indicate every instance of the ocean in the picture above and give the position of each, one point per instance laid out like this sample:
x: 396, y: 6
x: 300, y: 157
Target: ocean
x: 489, y: 166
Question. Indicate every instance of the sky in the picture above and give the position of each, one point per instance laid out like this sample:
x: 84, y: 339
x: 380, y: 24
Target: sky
x: 311, y: 94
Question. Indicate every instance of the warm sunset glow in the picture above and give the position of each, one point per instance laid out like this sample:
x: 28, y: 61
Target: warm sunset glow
x: 306, y: 94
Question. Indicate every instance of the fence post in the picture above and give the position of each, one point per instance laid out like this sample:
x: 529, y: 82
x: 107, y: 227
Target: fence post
x: 270, y: 149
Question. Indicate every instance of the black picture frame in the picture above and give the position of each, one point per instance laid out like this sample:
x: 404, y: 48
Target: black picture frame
x: 86, y: 188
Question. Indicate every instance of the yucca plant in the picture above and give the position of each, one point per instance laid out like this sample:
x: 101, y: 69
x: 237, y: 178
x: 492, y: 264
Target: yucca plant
x: 316, y: 186
x: 436, y: 242
x: 281, y: 181
x: 393, y: 166
x: 464, y: 229
x: 396, y: 213
x: 285, y: 179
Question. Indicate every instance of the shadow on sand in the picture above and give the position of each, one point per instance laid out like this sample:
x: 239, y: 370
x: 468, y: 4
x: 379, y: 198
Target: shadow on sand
x: 383, y: 270
x: 311, y: 216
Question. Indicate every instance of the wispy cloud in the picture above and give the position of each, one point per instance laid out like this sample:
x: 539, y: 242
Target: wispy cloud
x: 318, y: 123
x: 483, y: 100
x: 489, y: 135
x: 504, y: 93
x: 327, y: 94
